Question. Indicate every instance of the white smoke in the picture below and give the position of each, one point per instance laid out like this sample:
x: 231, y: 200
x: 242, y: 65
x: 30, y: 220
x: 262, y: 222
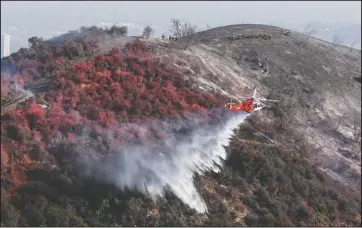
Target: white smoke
x: 19, y: 89
x: 153, y: 171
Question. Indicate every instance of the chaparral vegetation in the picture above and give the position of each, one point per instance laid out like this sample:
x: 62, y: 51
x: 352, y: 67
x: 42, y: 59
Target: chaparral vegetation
x: 76, y: 84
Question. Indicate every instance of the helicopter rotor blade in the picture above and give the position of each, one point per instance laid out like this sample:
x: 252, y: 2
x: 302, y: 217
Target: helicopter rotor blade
x: 263, y: 99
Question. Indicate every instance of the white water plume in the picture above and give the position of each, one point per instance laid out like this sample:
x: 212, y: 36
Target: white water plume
x: 172, y: 167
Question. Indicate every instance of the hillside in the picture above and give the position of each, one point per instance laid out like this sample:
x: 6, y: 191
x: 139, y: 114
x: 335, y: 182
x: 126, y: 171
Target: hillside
x: 103, y: 97
x: 316, y: 82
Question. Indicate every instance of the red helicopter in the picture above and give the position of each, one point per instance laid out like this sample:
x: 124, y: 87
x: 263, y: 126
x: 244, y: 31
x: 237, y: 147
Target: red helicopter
x: 249, y: 105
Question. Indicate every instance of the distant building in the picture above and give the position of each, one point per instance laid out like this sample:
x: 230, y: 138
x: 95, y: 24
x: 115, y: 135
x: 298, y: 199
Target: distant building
x: 6, y: 45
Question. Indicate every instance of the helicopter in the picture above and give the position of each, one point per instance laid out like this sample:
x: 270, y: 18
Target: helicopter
x: 251, y: 104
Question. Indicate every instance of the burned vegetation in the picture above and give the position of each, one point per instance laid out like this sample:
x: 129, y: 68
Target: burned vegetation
x: 74, y: 85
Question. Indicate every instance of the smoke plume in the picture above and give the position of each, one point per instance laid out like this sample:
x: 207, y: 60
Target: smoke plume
x: 20, y: 89
x: 153, y: 170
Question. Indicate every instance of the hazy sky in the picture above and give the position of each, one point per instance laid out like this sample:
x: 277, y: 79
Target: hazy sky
x: 25, y: 19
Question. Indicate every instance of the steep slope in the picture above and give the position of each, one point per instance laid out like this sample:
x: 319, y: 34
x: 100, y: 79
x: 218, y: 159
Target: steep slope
x: 110, y: 118
x: 316, y: 82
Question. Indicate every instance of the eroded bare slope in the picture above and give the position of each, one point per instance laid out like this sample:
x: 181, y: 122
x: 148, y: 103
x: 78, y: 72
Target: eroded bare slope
x: 316, y: 81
